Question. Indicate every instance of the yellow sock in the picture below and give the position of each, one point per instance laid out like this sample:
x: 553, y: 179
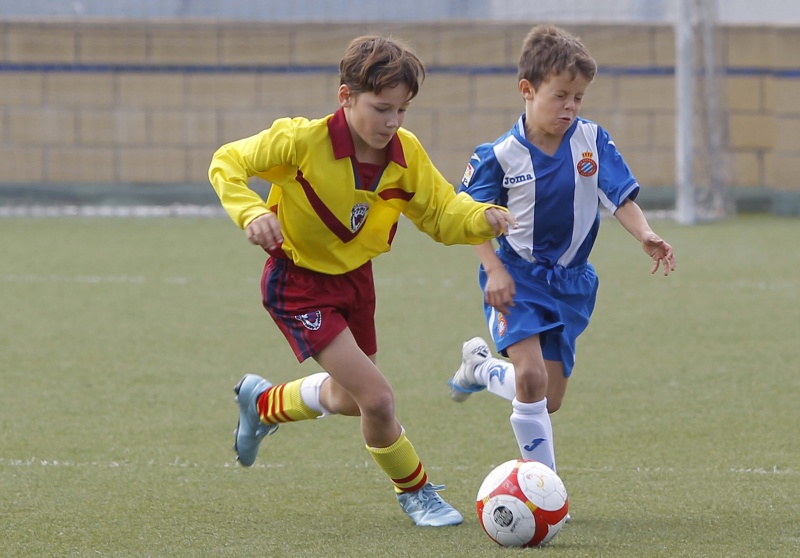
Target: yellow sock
x: 401, y: 462
x: 282, y: 403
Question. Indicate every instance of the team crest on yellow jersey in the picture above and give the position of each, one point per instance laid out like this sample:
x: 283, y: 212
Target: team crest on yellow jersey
x: 358, y: 215
x: 587, y: 166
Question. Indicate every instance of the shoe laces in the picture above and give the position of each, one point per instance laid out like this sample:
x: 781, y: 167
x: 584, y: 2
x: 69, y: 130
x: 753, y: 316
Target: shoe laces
x: 265, y: 430
x: 429, y: 498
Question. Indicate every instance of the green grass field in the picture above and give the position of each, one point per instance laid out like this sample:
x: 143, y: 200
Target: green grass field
x: 121, y: 340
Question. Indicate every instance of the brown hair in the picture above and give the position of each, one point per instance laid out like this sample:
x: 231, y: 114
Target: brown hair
x: 372, y: 63
x: 548, y: 51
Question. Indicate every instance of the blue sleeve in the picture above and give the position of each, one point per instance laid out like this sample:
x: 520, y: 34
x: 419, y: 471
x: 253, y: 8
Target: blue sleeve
x: 615, y: 180
x: 483, y: 179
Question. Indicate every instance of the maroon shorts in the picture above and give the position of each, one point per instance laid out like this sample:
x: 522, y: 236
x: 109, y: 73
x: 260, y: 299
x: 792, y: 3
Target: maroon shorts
x: 312, y: 308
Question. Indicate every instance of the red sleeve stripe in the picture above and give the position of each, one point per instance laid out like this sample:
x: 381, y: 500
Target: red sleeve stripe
x: 396, y: 193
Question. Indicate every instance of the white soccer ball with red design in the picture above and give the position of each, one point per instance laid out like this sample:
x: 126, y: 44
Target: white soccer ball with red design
x: 522, y: 503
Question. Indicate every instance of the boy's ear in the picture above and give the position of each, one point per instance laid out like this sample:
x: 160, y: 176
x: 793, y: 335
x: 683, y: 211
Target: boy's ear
x: 526, y: 89
x: 345, y: 96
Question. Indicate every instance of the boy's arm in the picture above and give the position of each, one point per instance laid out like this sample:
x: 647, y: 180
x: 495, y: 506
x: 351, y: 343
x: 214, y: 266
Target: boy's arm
x: 258, y: 155
x: 452, y: 218
x: 500, y: 288
x: 228, y: 173
x: 630, y: 216
x: 446, y: 216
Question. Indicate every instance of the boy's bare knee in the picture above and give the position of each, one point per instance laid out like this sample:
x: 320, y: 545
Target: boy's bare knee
x: 378, y: 405
x: 531, y: 384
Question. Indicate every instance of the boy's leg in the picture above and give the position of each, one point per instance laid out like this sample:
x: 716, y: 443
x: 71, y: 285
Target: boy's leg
x: 556, y: 384
x: 284, y: 403
x: 262, y: 407
x: 479, y: 370
x: 530, y: 419
x: 250, y: 430
x: 533, y: 431
x: 356, y: 373
x: 464, y: 381
x: 287, y: 291
x: 416, y: 496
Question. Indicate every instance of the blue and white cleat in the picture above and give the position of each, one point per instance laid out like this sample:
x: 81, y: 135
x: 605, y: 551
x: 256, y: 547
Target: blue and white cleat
x: 463, y: 383
x: 250, y: 430
x: 427, y: 508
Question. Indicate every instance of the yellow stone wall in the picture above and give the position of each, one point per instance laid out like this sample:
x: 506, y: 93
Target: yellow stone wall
x: 149, y: 102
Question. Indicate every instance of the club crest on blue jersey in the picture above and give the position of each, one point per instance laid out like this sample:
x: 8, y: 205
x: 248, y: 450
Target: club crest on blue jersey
x: 587, y: 166
x: 311, y: 320
x: 358, y: 215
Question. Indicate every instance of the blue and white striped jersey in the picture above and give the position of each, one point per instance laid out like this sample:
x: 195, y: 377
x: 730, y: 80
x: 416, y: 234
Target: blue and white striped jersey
x: 556, y: 200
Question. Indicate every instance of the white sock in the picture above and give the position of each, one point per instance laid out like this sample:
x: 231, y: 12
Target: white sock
x: 309, y: 392
x: 498, y: 376
x: 533, y: 430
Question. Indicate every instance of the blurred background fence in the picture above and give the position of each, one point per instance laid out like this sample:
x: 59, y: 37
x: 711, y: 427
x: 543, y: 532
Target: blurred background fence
x: 115, y: 101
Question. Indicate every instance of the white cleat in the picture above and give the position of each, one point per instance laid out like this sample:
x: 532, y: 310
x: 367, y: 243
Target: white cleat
x: 463, y: 383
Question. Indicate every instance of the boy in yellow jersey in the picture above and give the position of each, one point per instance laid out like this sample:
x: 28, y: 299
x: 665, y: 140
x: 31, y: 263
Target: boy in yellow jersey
x: 339, y: 186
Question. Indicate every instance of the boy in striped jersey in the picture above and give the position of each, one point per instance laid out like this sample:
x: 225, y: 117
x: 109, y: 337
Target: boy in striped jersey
x: 552, y: 170
x: 339, y: 186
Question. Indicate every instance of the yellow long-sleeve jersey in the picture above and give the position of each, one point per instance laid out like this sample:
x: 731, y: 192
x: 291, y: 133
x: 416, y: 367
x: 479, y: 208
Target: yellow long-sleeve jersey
x: 330, y: 222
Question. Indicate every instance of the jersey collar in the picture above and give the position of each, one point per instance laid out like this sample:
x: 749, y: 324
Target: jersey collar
x: 342, y: 141
x: 519, y: 130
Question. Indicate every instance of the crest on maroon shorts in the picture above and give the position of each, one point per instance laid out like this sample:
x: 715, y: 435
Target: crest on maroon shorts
x: 311, y: 320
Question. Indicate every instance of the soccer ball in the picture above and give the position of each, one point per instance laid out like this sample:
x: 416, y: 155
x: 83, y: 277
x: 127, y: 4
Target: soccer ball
x: 522, y: 503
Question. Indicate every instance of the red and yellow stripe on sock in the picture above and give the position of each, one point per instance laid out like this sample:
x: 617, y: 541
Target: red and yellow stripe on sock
x: 401, y: 462
x: 283, y: 403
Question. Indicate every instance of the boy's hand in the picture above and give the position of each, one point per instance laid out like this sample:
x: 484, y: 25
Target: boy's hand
x: 500, y: 290
x: 500, y: 220
x: 661, y: 252
x: 265, y: 231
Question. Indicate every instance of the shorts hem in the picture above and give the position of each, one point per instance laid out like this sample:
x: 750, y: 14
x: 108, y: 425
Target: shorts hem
x: 319, y: 345
x: 508, y: 341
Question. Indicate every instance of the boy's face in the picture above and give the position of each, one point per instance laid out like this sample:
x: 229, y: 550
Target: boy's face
x: 551, y: 109
x: 374, y: 118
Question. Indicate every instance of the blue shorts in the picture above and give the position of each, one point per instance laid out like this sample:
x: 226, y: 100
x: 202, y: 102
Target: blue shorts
x: 554, y: 303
